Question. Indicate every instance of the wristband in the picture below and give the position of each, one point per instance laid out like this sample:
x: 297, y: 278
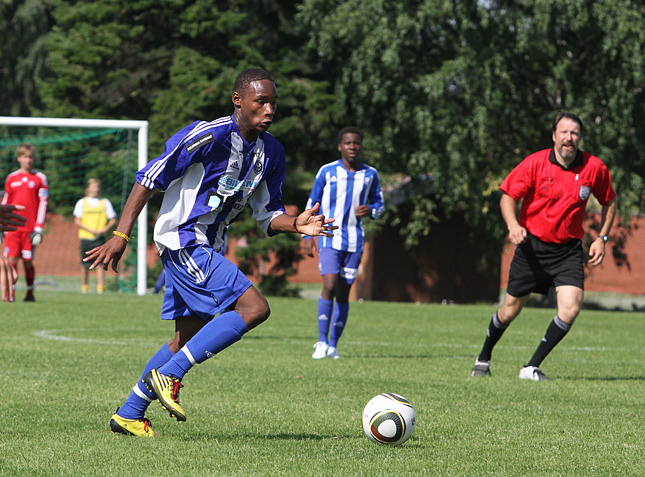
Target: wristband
x: 294, y: 224
x: 122, y: 235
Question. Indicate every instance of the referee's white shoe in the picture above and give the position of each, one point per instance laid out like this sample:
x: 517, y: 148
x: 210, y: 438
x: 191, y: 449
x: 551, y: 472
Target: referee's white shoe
x: 532, y: 373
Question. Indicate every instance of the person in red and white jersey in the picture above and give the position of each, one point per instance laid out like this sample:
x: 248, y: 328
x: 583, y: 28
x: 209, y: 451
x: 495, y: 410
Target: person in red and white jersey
x: 554, y: 186
x: 28, y: 188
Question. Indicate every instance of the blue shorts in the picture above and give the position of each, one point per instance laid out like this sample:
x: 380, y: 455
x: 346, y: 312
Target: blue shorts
x: 343, y: 264
x: 199, y: 282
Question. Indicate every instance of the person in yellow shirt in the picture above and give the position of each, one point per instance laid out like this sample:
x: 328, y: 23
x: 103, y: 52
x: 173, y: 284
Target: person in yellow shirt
x: 94, y: 216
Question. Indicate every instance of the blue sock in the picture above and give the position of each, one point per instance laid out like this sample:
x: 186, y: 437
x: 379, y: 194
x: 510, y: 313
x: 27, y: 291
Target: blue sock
x: 140, y: 397
x: 324, y: 318
x: 218, y: 334
x: 338, y: 323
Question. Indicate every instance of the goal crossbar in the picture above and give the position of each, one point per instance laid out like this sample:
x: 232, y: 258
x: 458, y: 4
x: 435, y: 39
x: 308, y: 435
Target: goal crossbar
x: 142, y: 159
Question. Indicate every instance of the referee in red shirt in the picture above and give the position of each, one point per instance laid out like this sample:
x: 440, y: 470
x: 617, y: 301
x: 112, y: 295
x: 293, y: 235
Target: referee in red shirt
x: 554, y: 186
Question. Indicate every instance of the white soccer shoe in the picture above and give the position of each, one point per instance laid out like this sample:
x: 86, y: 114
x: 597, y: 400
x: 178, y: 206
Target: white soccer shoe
x: 320, y: 350
x: 532, y: 373
x: 332, y: 352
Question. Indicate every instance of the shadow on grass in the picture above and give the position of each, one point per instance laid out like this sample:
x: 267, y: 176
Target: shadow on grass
x: 409, y: 356
x: 605, y: 378
x: 280, y: 436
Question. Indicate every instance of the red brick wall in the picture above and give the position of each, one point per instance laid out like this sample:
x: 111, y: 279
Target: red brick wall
x: 58, y: 255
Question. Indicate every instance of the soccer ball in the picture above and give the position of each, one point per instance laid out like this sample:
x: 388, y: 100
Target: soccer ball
x: 389, y: 419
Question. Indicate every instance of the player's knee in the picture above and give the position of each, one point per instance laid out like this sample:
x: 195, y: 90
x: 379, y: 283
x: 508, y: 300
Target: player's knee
x: 568, y: 313
x: 506, y: 314
x: 258, y: 314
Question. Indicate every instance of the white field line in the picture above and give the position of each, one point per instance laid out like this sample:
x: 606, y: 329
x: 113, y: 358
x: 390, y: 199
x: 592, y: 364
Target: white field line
x: 62, y: 335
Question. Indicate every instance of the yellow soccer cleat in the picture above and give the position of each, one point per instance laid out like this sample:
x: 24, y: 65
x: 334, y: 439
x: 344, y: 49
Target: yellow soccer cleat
x: 131, y: 427
x: 167, y: 390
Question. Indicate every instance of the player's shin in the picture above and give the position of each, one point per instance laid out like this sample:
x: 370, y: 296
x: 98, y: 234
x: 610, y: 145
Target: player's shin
x: 341, y: 312
x: 325, y: 308
x: 217, y: 335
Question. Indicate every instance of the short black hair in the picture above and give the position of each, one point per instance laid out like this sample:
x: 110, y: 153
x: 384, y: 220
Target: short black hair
x: 349, y: 129
x: 248, y: 76
x: 563, y: 114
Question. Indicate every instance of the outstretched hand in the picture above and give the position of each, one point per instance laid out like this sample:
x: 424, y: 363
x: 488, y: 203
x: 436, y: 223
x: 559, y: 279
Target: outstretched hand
x: 309, y: 223
x: 108, y: 253
x: 9, y: 220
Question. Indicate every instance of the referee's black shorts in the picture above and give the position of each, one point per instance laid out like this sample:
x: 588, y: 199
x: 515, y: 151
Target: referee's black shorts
x: 538, y: 266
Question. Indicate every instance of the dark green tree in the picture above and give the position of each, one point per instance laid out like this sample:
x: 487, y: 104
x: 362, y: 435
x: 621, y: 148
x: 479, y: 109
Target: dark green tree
x: 24, y: 25
x: 462, y: 91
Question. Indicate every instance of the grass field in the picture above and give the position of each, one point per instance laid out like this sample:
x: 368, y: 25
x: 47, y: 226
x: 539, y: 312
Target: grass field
x: 264, y: 407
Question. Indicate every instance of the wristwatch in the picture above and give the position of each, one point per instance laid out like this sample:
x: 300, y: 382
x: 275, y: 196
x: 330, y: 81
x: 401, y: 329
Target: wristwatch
x: 605, y: 238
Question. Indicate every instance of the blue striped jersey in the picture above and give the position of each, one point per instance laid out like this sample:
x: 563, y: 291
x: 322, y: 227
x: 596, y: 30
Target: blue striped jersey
x: 209, y: 172
x: 339, y: 192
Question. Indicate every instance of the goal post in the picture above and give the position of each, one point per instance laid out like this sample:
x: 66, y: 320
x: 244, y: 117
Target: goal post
x: 142, y: 159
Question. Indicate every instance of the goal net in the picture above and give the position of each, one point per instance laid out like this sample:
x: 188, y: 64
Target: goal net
x: 69, y: 152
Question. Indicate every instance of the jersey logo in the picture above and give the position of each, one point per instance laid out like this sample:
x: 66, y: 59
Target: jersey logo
x: 584, y: 192
x: 257, y: 167
x: 235, y: 185
x: 199, y: 142
x: 213, y: 200
x: 235, y: 165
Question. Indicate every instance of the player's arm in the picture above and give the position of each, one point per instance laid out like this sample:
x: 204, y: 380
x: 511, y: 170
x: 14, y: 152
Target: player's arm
x: 309, y: 243
x: 36, y: 235
x: 597, y: 247
x: 307, y: 223
x: 112, y: 250
x: 516, y: 233
x: 375, y: 199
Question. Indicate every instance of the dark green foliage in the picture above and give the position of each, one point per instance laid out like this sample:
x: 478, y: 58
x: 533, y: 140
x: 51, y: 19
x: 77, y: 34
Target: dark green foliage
x: 457, y: 91
x: 463, y: 91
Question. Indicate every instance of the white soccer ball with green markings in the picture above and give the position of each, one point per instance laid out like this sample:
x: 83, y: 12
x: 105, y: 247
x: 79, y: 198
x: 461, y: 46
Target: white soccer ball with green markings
x: 389, y: 419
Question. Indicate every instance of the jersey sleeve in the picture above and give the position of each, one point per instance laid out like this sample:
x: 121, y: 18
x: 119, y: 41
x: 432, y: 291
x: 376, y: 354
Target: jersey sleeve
x: 266, y: 201
x: 316, y: 194
x: 375, y: 197
x: 109, y: 210
x: 78, y: 209
x: 176, y: 159
x: 520, y: 180
x: 43, y: 198
x: 5, y: 197
x: 603, y: 190
x: 317, y: 189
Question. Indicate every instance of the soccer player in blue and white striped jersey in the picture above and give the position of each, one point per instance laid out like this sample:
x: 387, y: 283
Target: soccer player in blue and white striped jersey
x: 208, y: 172
x: 347, y: 190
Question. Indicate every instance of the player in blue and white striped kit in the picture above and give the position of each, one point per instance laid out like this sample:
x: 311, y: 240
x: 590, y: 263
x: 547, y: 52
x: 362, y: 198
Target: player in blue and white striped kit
x: 347, y: 190
x: 208, y: 171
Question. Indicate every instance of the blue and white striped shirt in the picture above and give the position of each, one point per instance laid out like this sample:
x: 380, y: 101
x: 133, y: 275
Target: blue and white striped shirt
x: 339, y: 192
x: 209, y: 172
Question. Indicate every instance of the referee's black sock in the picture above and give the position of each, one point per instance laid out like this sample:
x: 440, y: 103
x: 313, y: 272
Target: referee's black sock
x: 495, y: 332
x: 554, y: 333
